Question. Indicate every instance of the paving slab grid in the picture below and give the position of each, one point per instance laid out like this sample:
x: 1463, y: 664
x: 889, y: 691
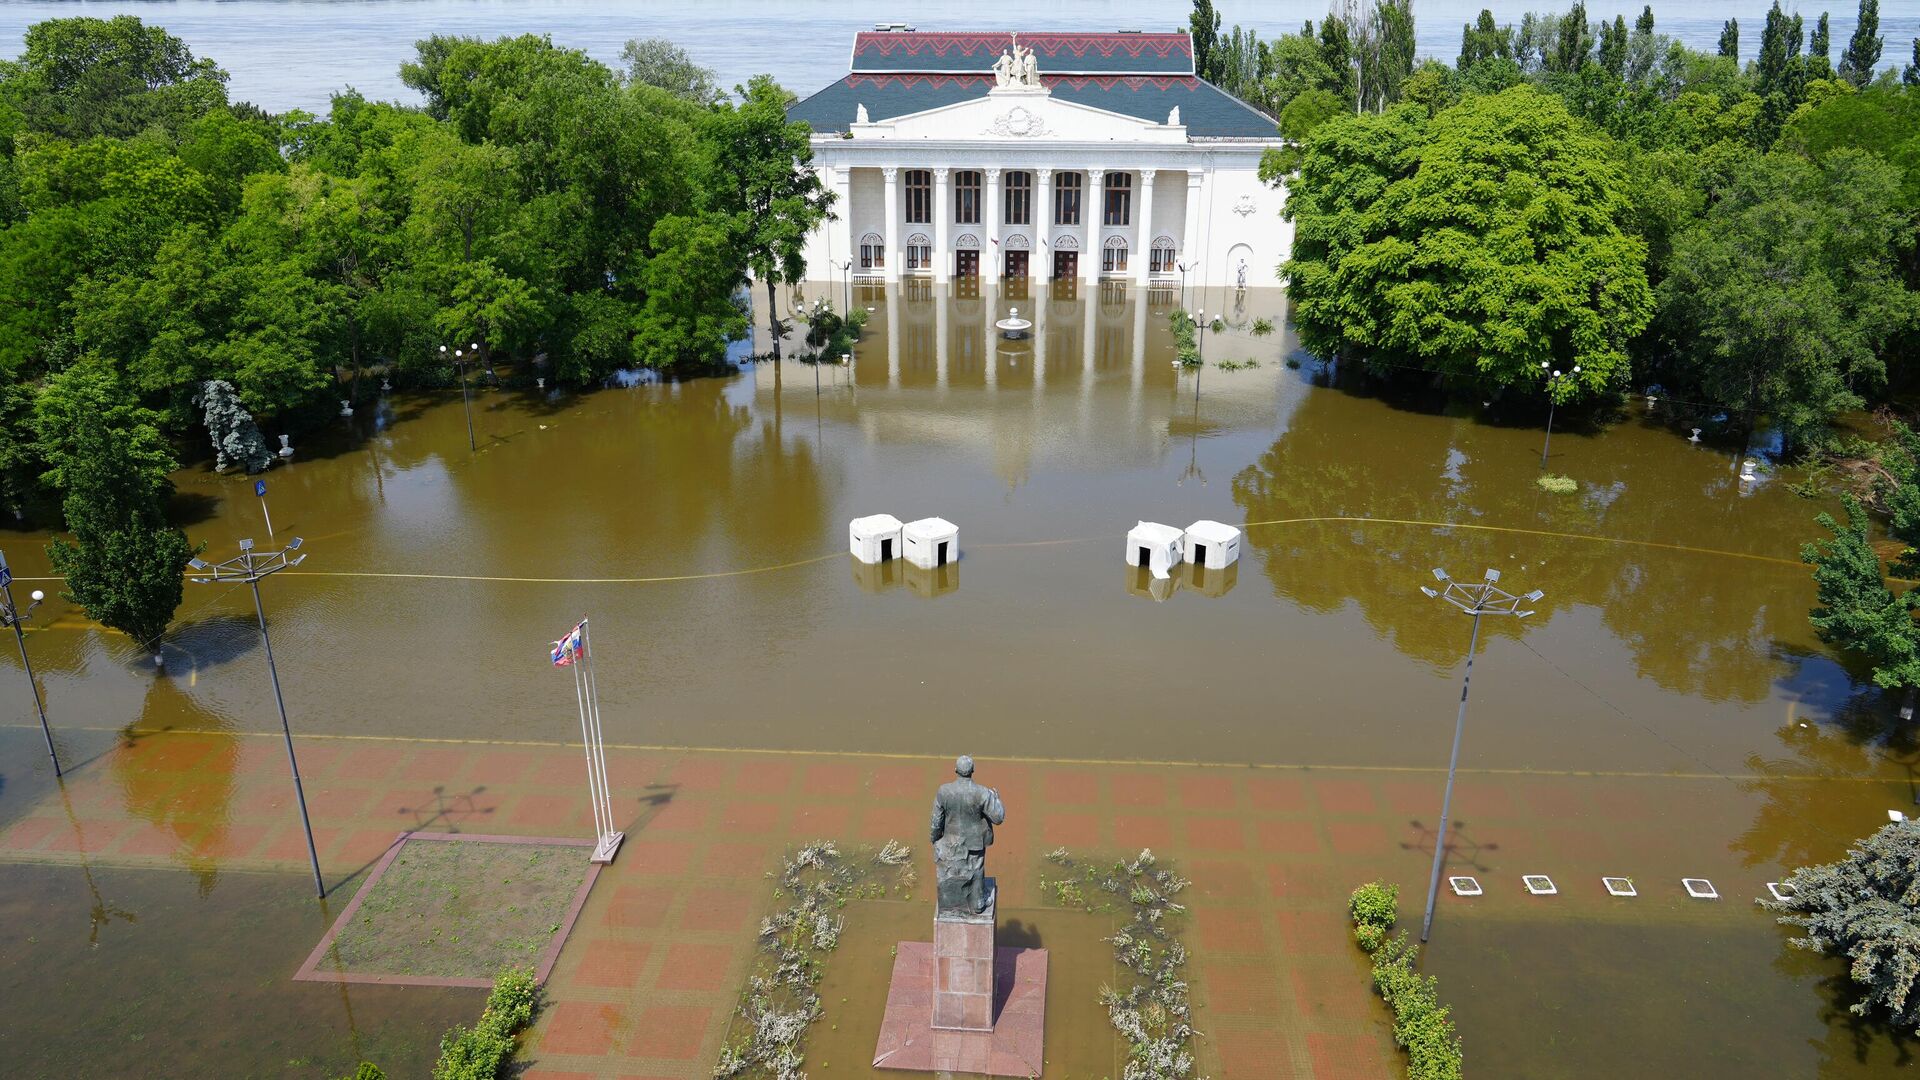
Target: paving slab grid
x: 644, y: 986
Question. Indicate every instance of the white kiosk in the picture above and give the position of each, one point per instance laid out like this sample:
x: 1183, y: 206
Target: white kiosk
x: 931, y: 543
x: 1154, y: 546
x: 1211, y: 544
x: 874, y: 539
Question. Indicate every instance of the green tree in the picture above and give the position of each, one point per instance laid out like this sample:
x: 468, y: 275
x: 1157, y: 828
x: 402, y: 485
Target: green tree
x: 1573, y: 43
x: 1482, y: 243
x: 1204, y: 26
x: 1865, y: 908
x: 1484, y: 40
x: 1910, y: 75
x: 1820, y: 51
x: 1857, y: 611
x: 109, y: 461
x: 82, y: 77
x: 1862, y: 54
x: 761, y: 181
x: 1778, y: 300
x: 1730, y: 39
x: 661, y: 64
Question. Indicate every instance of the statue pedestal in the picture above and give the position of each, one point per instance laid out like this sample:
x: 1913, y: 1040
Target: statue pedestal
x: 963, y: 968
x: 962, y: 1005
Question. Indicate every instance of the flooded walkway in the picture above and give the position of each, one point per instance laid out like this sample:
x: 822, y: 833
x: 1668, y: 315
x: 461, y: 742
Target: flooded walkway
x: 1280, y: 732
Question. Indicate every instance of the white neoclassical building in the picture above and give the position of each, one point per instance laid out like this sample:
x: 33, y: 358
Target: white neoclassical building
x: 1089, y: 156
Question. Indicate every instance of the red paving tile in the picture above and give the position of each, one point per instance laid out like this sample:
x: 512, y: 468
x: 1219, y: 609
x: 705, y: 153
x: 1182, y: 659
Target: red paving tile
x: 613, y: 965
x: 149, y: 840
x: 752, y: 818
x: 1412, y: 800
x: 337, y: 802
x: 717, y: 909
x: 677, y: 815
x: 1474, y: 801
x: 1216, y: 834
x: 821, y: 822
x: 368, y: 763
x: 1141, y: 790
x: 1277, y: 794
x: 28, y: 834
x: 1212, y: 791
x: 1359, y: 837
x: 361, y: 844
x: 1315, y: 932
x: 435, y: 765
x: 836, y: 780
x: 1312, y: 883
x: 880, y: 824
x: 1069, y: 786
x: 1335, y: 993
x: 548, y: 812
x: 500, y: 767
x: 1075, y: 831
x: 737, y: 860
x: 764, y: 779
x: 670, y: 1031
x: 581, y: 1028
x: 1241, y: 988
x: 696, y: 774
x: 289, y: 843
x: 690, y: 966
x: 549, y: 1074
x: 1289, y: 837
x: 1221, y: 881
x: 563, y: 770
x: 1345, y: 796
x: 902, y: 781
x: 1236, y: 932
x: 92, y: 837
x: 1254, y: 1055
x: 638, y: 905
x: 1555, y: 801
x: 1138, y: 831
x: 668, y: 857
x: 230, y: 841
x: 1351, y: 1057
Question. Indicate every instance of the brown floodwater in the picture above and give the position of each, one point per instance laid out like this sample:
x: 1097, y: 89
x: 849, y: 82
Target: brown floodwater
x: 701, y: 524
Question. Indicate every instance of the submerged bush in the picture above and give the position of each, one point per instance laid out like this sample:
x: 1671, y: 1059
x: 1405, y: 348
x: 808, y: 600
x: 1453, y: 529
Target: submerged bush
x: 1558, y: 485
x: 1262, y: 327
x: 1421, y: 1025
x: 1866, y: 908
x: 484, y: 1051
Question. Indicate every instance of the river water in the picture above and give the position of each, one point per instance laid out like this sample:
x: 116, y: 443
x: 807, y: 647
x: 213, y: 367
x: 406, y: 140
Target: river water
x: 295, y: 53
x: 1668, y: 674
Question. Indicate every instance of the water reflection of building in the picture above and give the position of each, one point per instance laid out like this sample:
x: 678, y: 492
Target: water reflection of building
x: 876, y: 577
x: 1142, y: 583
x: 1214, y: 581
x: 931, y: 582
x: 1056, y: 156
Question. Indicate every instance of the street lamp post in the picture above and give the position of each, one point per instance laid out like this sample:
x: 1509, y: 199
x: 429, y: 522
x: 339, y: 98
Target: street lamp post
x: 846, y: 282
x: 1200, y: 346
x: 1553, y: 380
x: 1184, y: 267
x: 250, y: 567
x: 460, y: 362
x: 11, y: 616
x: 1484, y: 598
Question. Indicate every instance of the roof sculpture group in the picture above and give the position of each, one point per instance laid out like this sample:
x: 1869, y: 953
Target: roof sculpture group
x: 1016, y: 67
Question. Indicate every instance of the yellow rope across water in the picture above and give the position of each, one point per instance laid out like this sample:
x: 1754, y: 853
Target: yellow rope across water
x: 795, y: 564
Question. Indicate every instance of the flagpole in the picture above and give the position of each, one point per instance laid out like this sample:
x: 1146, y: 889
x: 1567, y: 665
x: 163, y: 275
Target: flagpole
x: 586, y: 745
x: 609, y: 841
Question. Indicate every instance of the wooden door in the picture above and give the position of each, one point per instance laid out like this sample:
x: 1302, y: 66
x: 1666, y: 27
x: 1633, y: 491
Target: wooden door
x: 1066, y: 264
x: 966, y: 264
x: 1016, y: 264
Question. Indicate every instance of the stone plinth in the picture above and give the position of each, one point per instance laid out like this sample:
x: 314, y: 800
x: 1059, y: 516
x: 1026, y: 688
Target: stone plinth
x: 963, y: 968
x: 1015, y: 1046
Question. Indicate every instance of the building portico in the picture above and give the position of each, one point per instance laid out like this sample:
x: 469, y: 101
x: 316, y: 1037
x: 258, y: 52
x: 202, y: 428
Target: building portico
x: 945, y: 171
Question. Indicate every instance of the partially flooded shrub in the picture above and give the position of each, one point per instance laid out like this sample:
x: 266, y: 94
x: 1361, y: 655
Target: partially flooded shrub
x: 484, y: 1051
x: 1558, y: 485
x: 1421, y: 1025
x: 1375, y: 904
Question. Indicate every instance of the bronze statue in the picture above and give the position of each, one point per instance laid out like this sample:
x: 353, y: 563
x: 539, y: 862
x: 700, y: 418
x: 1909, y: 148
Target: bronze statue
x: 964, y: 814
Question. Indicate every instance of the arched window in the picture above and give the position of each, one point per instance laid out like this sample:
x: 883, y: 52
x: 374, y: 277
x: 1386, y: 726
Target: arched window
x: 1161, y: 260
x: 919, y: 197
x: 966, y: 197
x: 1019, y: 198
x: 1119, y: 204
x: 873, y: 252
x: 919, y: 252
x: 1113, y: 256
x: 1066, y: 198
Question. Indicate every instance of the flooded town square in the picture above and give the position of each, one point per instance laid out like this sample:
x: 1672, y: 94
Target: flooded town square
x: 1279, y: 730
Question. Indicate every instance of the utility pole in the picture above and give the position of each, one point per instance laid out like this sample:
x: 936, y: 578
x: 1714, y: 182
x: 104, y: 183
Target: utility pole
x: 13, y: 617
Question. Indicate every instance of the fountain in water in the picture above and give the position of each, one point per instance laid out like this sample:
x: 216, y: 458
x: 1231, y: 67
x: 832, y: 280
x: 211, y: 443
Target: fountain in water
x: 1013, y: 327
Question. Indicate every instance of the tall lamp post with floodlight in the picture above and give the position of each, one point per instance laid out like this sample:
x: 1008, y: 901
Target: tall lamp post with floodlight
x: 250, y: 566
x: 846, y: 282
x: 12, y: 617
x: 460, y: 361
x: 1553, y: 383
x: 1200, y: 346
x: 1184, y: 267
x: 1484, y: 598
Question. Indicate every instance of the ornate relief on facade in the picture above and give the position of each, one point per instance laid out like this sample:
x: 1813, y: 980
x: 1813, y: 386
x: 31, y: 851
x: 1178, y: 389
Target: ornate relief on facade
x: 1245, y: 207
x: 1019, y: 123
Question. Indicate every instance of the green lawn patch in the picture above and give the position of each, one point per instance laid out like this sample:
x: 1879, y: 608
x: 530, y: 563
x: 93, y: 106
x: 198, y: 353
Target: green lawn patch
x: 457, y: 909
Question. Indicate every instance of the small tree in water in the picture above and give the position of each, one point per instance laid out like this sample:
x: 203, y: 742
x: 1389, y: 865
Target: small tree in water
x: 1857, y: 611
x: 236, y: 439
x: 1866, y: 907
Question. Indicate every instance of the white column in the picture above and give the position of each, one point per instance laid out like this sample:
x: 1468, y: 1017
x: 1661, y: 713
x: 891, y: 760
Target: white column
x: 1190, y: 229
x: 842, y: 246
x: 890, y: 236
x: 1093, y: 205
x: 1143, y: 243
x: 990, y: 253
x: 1040, y: 254
x: 1089, y: 331
x: 939, y: 335
x: 893, y: 329
x: 1042, y: 300
x: 942, y: 215
x: 1139, y: 351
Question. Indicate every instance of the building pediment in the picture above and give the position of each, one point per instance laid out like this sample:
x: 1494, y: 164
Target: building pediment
x: 1021, y: 114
